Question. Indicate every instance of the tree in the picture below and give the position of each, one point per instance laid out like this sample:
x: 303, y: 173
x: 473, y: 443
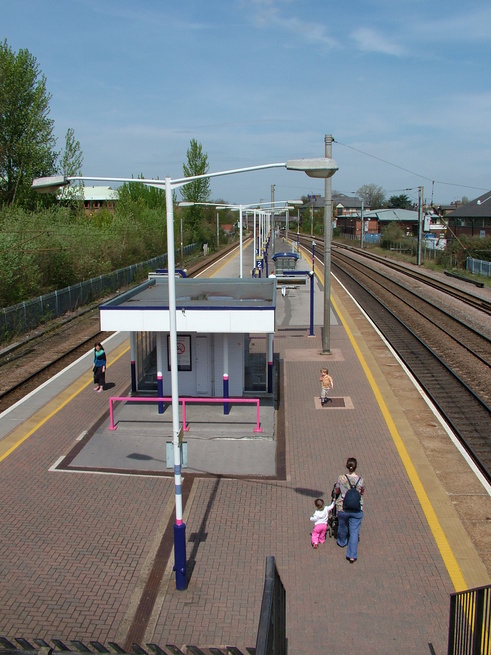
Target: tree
x: 391, y: 235
x: 72, y: 157
x: 137, y: 194
x: 373, y: 196
x: 71, y: 165
x: 26, y: 131
x: 400, y: 202
x: 198, y: 190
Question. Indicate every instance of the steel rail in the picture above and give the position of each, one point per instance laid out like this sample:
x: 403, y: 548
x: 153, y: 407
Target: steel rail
x: 483, y: 356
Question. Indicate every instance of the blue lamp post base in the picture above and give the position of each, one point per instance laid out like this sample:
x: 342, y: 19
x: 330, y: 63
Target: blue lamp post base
x: 180, y: 556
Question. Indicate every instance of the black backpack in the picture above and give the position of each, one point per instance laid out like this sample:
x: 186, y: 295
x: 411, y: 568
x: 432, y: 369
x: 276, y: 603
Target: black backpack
x: 352, y: 498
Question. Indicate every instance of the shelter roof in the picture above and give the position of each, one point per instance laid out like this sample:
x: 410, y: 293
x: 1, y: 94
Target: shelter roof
x: 209, y: 305
x: 288, y: 255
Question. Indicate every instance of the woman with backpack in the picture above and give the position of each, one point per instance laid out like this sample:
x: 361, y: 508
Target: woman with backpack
x: 349, y: 490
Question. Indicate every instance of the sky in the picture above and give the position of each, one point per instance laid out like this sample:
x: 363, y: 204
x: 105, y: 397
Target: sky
x: 403, y: 86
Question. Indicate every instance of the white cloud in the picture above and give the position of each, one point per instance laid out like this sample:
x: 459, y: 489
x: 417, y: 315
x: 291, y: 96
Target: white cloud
x: 268, y: 15
x: 470, y: 25
x: 369, y: 40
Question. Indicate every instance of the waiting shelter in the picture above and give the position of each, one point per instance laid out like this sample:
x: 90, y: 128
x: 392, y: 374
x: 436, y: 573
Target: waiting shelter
x: 215, y: 319
x: 285, y: 261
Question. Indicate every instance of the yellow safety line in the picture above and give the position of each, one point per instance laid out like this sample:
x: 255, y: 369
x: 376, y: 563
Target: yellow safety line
x: 59, y: 407
x: 446, y: 552
x: 449, y: 559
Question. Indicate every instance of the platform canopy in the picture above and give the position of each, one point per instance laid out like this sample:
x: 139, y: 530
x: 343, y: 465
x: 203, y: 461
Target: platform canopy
x: 218, y: 306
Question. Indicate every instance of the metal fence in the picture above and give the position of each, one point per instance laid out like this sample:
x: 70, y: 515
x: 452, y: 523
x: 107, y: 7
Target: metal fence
x: 271, y: 633
x: 28, y: 315
x: 478, y: 266
x: 470, y: 622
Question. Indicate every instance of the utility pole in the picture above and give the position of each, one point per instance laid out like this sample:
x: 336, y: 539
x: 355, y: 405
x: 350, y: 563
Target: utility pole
x: 312, y: 198
x: 420, y: 224
x: 326, y: 333
x: 362, y: 226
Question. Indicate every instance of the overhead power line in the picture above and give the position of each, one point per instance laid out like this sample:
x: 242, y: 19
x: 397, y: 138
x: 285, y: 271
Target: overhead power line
x: 424, y: 177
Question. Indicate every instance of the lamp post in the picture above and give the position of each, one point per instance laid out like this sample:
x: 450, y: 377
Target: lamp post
x: 311, y: 331
x: 240, y: 209
x: 326, y: 333
x: 318, y: 168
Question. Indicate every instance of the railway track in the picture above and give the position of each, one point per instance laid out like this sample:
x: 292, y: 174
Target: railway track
x: 470, y: 349
x: 449, y: 289
x: 450, y: 358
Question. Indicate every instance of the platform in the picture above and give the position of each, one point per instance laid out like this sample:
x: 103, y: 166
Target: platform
x: 214, y: 442
x: 79, y: 548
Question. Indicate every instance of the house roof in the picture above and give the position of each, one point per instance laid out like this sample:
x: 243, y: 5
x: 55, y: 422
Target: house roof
x: 317, y: 203
x: 348, y: 202
x: 392, y: 215
x: 477, y: 208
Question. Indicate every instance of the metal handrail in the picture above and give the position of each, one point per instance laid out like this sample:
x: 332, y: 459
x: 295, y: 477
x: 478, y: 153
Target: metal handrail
x: 183, y: 400
x: 271, y: 633
x: 469, y: 629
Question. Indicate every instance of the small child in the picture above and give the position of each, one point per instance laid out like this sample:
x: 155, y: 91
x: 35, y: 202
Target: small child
x: 320, y: 517
x: 327, y: 383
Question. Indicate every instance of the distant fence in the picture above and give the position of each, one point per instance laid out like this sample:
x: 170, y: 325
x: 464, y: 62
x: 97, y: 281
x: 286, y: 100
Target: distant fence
x: 478, y: 266
x: 271, y: 633
x: 371, y: 238
x: 470, y: 622
x: 28, y: 315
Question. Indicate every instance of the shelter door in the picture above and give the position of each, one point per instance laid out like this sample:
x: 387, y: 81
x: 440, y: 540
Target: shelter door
x: 203, y: 376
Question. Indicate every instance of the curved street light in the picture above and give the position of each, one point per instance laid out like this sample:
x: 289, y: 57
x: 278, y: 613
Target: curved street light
x: 319, y: 168
x: 240, y: 208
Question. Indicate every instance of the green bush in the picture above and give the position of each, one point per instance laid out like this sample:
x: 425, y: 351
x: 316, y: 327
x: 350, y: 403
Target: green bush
x: 466, y: 246
x: 53, y: 248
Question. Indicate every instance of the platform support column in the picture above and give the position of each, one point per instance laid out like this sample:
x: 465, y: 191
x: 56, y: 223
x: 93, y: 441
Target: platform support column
x: 160, y: 369
x: 270, y: 363
x: 133, y: 361
x: 312, y: 278
x: 255, y: 250
x: 226, y: 406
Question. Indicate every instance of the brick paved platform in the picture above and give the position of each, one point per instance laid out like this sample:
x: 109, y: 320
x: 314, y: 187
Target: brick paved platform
x: 78, y: 549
